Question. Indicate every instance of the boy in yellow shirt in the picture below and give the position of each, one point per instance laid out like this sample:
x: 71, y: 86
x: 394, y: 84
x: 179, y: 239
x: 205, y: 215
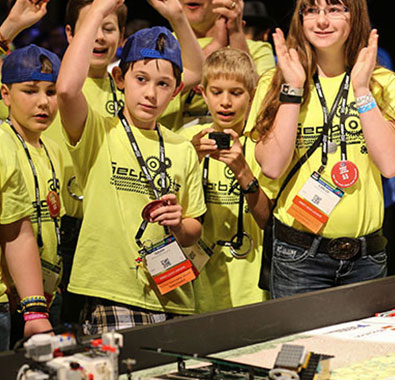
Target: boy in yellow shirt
x: 124, y: 163
x: 18, y: 245
x: 237, y: 207
x: 28, y: 90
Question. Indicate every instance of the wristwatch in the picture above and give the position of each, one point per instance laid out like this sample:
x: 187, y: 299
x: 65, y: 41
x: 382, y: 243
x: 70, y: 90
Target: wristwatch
x: 252, y: 187
x: 291, y: 94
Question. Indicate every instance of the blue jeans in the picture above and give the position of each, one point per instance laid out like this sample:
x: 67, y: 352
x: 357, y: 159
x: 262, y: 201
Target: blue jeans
x: 5, y: 327
x: 297, y: 270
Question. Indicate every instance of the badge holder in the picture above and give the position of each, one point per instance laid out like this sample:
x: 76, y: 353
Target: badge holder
x: 315, y: 202
x: 317, y: 198
x: 199, y: 254
x: 167, y: 264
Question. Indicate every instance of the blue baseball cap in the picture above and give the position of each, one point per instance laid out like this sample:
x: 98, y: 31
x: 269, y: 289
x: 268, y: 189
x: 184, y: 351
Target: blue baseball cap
x: 142, y: 45
x: 24, y: 65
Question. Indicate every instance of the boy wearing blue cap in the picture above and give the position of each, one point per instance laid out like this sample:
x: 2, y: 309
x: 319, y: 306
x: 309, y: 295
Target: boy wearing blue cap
x: 28, y: 90
x: 131, y: 267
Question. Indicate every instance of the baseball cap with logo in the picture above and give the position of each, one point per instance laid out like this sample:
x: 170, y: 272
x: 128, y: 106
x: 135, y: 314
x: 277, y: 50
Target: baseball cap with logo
x: 25, y: 65
x: 142, y: 45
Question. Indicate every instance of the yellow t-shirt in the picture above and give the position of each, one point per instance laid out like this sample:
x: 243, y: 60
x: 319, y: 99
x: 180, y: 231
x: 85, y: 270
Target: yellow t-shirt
x: 46, y: 184
x: 3, y: 111
x: 15, y: 203
x: 226, y: 281
x: 116, y: 191
x: 186, y: 107
x: 100, y: 97
x: 361, y: 209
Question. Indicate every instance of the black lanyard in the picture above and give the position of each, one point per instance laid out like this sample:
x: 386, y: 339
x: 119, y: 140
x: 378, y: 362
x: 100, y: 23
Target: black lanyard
x: 144, y: 168
x: 114, y: 96
x: 342, y: 95
x: 240, y: 229
x: 37, y: 188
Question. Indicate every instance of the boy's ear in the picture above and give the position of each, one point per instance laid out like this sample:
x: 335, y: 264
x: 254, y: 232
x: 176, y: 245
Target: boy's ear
x: 69, y: 33
x: 203, y: 92
x: 5, y: 91
x: 118, y: 77
x: 178, y: 89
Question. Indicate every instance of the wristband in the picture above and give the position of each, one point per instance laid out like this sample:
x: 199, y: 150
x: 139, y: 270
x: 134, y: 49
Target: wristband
x: 367, y: 107
x: 290, y: 99
x: 30, y: 299
x: 2, y: 50
x: 290, y: 94
x: 365, y: 99
x: 3, y: 45
x: 34, y: 316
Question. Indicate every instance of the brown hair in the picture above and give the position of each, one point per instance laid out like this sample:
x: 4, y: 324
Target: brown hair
x: 46, y: 65
x: 230, y: 63
x: 358, y: 39
x: 160, y: 46
x: 74, y: 7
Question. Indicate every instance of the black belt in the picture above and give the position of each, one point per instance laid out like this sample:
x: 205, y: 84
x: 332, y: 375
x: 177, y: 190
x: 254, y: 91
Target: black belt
x: 342, y: 248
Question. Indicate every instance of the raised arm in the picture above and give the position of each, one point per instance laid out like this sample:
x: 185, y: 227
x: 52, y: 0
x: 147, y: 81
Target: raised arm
x: 379, y: 133
x: 275, y: 151
x: 192, y: 54
x: 232, y: 12
x: 73, y: 106
x: 23, y: 14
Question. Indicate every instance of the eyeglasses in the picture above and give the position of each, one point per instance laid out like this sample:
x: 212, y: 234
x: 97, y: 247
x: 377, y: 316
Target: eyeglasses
x: 333, y: 12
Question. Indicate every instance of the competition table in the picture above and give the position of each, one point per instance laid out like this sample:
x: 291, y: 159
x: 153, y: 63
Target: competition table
x: 245, y: 326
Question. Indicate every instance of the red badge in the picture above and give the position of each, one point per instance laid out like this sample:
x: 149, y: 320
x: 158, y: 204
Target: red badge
x: 150, y: 207
x: 344, y: 174
x: 53, y: 202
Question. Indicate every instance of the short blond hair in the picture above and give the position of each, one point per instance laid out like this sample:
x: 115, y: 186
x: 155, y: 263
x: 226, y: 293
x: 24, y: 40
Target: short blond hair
x: 230, y: 63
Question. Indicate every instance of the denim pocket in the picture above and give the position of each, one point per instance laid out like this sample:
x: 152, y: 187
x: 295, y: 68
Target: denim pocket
x: 379, y: 258
x: 288, y: 253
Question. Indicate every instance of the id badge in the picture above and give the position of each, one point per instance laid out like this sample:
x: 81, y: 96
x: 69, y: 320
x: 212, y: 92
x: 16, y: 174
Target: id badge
x: 199, y: 254
x: 315, y: 202
x: 51, y: 278
x: 167, y: 264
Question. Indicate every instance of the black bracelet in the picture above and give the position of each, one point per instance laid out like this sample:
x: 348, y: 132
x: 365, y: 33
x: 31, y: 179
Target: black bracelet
x: 290, y: 98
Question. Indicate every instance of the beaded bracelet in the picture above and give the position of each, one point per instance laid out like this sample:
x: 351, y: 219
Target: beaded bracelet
x: 31, y: 299
x: 34, y: 316
x: 364, y: 99
x: 367, y: 107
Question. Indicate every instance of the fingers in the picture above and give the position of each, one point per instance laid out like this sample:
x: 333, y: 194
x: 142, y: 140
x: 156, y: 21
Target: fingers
x: 202, y: 144
x: 168, y: 215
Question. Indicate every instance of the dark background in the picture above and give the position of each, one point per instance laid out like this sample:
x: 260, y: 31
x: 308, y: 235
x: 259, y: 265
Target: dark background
x: 280, y: 10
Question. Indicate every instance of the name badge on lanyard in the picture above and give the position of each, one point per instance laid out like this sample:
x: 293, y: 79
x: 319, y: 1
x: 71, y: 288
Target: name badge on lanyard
x: 167, y: 264
x: 164, y: 260
x: 315, y: 202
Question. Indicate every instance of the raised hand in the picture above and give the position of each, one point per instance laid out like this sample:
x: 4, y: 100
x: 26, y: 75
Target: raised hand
x: 106, y: 7
x: 288, y: 61
x: 169, y: 9
x: 23, y: 14
x: 232, y: 12
x: 362, y: 71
